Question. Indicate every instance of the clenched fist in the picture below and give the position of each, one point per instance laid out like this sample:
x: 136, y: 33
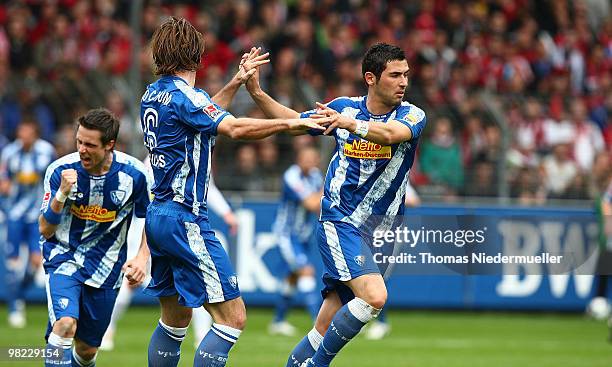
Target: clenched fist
x: 69, y: 179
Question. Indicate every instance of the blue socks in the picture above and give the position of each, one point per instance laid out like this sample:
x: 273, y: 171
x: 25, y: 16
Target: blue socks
x: 283, y: 303
x: 382, y: 317
x: 307, y: 286
x: 78, y: 361
x: 59, y: 351
x: 305, y: 349
x: 13, y: 278
x: 165, y: 345
x: 345, y: 325
x: 214, y: 348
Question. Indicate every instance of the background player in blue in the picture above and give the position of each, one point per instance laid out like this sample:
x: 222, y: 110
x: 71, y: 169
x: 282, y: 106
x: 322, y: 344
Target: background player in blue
x: 22, y: 168
x: 189, y: 266
x: 376, y: 139
x: 90, y: 199
x: 294, y: 226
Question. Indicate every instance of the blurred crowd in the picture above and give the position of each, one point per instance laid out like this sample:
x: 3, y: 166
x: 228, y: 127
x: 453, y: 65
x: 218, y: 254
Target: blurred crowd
x: 518, y: 93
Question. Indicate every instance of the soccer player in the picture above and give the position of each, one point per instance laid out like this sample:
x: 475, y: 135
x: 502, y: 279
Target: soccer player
x: 201, y: 319
x: 189, y: 267
x: 90, y: 199
x: 294, y: 225
x: 376, y: 138
x: 22, y: 168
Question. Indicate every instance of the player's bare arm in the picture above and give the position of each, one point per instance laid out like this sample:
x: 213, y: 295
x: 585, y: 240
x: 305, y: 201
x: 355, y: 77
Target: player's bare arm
x: 387, y: 133
x: 69, y: 179
x: 251, y: 129
x: 135, y: 269
x: 248, y: 67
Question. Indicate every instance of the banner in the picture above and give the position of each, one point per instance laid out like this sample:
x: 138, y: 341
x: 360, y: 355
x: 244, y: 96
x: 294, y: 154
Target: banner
x: 532, y: 284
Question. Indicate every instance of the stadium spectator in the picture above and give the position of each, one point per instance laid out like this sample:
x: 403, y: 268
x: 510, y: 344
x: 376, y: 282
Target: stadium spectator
x: 74, y: 52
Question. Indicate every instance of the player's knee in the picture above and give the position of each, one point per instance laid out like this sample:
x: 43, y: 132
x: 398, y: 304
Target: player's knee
x: 65, y: 327
x: 35, y: 260
x: 376, y: 298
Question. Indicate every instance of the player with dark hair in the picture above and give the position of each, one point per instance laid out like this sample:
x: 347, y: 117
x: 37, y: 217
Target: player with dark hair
x: 189, y: 267
x: 22, y: 168
x: 376, y: 138
x: 91, y: 197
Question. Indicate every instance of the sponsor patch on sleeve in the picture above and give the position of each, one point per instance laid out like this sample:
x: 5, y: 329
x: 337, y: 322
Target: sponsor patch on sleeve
x: 45, y: 202
x: 212, y: 111
x: 415, y: 116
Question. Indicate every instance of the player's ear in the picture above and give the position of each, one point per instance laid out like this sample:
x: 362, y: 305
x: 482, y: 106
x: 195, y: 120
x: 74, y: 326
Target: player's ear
x: 110, y: 145
x: 370, y: 78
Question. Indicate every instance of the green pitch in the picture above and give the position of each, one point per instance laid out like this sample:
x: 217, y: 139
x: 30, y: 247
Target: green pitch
x: 423, y: 339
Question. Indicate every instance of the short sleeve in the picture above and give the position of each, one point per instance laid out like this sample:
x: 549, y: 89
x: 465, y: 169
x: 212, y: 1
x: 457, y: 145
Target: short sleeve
x: 4, y: 169
x: 143, y: 194
x: 51, y: 184
x: 413, y: 117
x: 200, y: 112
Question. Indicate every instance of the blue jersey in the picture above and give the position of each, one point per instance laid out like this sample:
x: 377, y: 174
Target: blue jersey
x: 180, y: 124
x: 90, y: 241
x: 366, y: 179
x: 25, y: 170
x: 292, y: 219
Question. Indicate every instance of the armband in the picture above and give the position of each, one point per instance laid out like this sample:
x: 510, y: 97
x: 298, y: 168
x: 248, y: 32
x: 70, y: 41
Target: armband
x: 52, y: 217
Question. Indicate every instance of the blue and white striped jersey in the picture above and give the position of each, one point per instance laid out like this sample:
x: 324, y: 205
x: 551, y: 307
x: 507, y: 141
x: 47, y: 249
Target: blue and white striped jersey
x: 25, y: 170
x: 180, y: 124
x: 365, y: 179
x: 292, y: 219
x: 90, y: 241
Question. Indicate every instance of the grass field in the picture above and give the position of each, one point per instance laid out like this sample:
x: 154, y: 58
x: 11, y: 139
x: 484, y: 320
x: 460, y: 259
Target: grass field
x: 418, y: 338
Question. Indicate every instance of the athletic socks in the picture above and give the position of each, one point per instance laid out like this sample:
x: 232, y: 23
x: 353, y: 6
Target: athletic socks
x: 283, y: 303
x: 59, y: 351
x: 214, y: 348
x: 345, y: 325
x: 305, y: 349
x: 165, y: 345
x: 78, y: 361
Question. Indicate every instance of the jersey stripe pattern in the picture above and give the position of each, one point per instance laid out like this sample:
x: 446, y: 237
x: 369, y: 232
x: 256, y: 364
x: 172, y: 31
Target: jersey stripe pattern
x: 25, y: 170
x: 292, y: 219
x: 180, y: 124
x: 90, y: 241
x: 365, y: 179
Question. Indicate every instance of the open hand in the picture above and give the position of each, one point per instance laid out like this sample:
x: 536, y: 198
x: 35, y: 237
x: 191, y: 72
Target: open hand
x: 248, y: 70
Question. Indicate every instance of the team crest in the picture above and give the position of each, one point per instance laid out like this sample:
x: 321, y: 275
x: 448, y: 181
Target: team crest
x: 117, y: 196
x: 233, y: 281
x: 63, y: 303
x: 360, y: 260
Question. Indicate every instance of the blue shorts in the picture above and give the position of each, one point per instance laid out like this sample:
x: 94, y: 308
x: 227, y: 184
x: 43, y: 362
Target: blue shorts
x: 293, y: 252
x: 346, y: 255
x: 19, y: 232
x: 186, y: 257
x: 92, y: 307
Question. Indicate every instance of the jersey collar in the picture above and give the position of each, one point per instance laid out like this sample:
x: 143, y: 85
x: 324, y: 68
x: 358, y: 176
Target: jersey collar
x: 364, y: 108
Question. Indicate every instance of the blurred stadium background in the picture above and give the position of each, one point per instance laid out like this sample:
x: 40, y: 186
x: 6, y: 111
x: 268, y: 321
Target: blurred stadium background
x: 518, y: 95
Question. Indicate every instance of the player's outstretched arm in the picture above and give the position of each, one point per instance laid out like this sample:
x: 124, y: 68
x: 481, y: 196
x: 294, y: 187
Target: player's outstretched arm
x: 248, y: 67
x: 384, y: 133
x: 251, y: 129
x: 270, y: 107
